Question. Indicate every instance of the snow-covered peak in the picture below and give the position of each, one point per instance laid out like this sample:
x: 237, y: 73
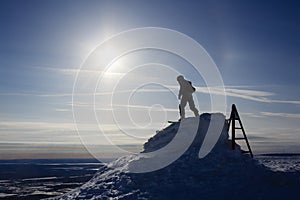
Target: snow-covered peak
x: 163, y: 137
x: 188, y: 137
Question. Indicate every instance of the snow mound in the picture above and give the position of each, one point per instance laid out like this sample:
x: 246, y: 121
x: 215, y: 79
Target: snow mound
x: 163, y: 137
x: 222, y: 174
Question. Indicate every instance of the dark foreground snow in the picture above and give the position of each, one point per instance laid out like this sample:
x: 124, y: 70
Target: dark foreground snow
x: 222, y: 174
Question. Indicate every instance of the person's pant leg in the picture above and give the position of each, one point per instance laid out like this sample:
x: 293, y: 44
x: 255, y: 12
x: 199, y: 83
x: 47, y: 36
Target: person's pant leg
x: 183, y: 103
x: 192, y: 106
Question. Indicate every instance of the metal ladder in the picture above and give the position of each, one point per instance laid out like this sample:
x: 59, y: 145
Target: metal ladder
x: 234, y: 116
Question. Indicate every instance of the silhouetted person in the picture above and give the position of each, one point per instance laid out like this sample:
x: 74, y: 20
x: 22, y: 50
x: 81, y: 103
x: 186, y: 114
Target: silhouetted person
x: 186, y: 95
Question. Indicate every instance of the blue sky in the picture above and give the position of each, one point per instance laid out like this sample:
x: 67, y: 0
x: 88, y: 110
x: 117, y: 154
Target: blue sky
x: 255, y: 45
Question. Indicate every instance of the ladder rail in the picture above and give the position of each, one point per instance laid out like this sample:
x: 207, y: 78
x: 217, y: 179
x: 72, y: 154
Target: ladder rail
x: 245, y: 136
x: 233, y: 117
x: 232, y: 133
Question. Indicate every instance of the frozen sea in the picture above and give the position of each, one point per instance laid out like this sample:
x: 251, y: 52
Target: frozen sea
x: 38, y: 178
x: 280, y: 162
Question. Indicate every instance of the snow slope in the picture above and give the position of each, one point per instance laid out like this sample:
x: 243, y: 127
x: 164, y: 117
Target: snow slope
x: 222, y: 174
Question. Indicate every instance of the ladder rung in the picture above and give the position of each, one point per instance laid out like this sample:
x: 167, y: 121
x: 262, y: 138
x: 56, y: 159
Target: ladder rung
x: 238, y: 127
x: 240, y: 138
x: 245, y: 151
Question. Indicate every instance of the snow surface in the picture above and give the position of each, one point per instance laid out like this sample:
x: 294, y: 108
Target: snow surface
x: 222, y: 174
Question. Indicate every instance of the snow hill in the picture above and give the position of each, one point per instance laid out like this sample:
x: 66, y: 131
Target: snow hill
x: 222, y: 174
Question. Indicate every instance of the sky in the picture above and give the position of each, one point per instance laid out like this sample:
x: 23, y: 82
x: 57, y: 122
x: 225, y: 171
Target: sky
x: 254, y: 44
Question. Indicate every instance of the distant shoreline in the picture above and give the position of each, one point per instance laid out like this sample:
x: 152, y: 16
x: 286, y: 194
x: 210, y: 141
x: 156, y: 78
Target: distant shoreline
x: 91, y: 159
x: 54, y: 160
x: 279, y: 154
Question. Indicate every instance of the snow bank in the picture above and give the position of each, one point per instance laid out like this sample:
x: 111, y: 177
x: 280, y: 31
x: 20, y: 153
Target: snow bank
x: 222, y: 174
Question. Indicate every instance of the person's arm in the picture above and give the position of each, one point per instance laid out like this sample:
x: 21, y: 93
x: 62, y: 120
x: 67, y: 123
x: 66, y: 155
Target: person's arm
x: 180, y: 93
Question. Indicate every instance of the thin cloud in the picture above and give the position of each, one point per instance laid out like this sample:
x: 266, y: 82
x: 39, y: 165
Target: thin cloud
x: 32, y: 125
x: 153, y: 108
x: 138, y: 107
x: 253, y: 95
x: 288, y: 115
x: 74, y: 71
x: 37, y: 126
x: 62, y: 110
x: 256, y: 93
x: 78, y: 94
x: 37, y: 94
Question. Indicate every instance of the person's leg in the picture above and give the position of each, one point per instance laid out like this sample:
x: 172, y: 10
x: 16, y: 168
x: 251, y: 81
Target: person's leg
x: 192, y: 106
x: 179, y: 110
x: 182, y: 105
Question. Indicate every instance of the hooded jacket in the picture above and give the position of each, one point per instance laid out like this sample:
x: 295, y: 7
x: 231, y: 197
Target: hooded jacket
x: 186, y: 88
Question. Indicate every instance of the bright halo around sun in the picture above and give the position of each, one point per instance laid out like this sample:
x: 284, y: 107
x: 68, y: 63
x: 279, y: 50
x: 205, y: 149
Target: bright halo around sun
x: 132, y: 92
x: 114, y: 71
